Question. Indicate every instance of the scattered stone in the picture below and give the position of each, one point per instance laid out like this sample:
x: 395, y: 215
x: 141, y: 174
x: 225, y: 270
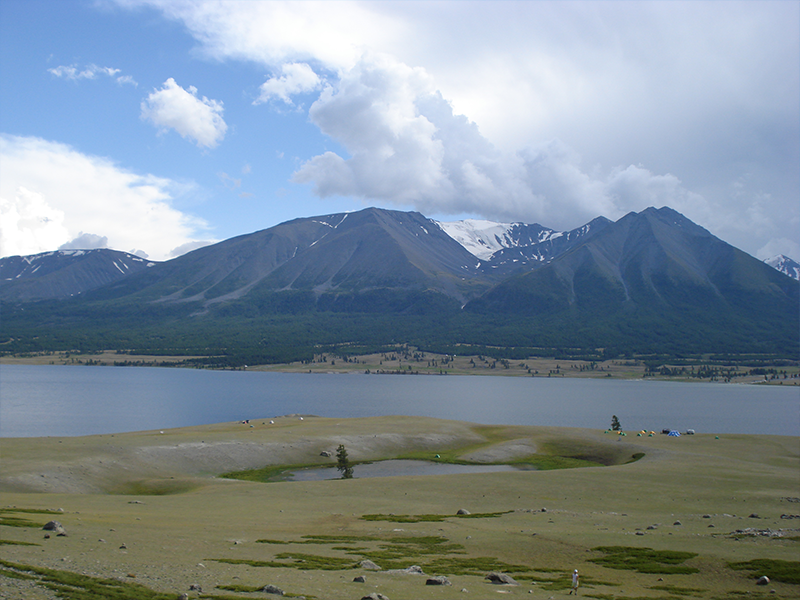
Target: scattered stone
x: 55, y: 526
x: 195, y: 587
x: 326, y: 454
x: 369, y: 565
x: 271, y: 589
x: 640, y: 533
x: 412, y: 570
x: 544, y: 510
x: 360, y: 579
x: 438, y: 580
x: 706, y: 516
x: 651, y: 527
x: 677, y: 523
x: 135, y: 502
x: 462, y: 511
x: 763, y: 580
x: 753, y: 516
x: 47, y: 536
x: 123, y: 547
x: 183, y: 596
x: 500, y: 579
x: 375, y: 596
x: 790, y: 516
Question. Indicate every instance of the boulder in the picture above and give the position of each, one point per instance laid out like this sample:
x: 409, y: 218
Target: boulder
x: 375, y: 596
x: 326, y: 454
x: 369, y: 565
x: 271, y: 589
x: 501, y: 579
x: 763, y: 580
x: 462, y: 511
x: 55, y: 526
x: 438, y: 580
x: 360, y: 579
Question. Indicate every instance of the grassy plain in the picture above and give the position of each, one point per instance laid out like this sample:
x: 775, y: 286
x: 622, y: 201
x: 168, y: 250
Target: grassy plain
x: 150, y: 508
x: 411, y: 362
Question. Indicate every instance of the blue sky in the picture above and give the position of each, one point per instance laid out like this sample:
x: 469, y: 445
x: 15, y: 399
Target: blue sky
x: 157, y: 126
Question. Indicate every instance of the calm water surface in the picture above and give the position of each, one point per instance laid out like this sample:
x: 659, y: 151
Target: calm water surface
x: 78, y: 400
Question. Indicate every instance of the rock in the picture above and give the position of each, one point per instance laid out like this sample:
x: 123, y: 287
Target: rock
x: 438, y: 580
x: 763, y: 580
x: 326, y: 454
x: 501, y: 579
x: 195, y: 587
x: 55, y: 526
x: 271, y: 589
x: 651, y: 527
x: 360, y: 579
x: 183, y: 596
x: 754, y: 516
x: 369, y: 565
x: 375, y: 596
x: 462, y: 511
x: 677, y: 523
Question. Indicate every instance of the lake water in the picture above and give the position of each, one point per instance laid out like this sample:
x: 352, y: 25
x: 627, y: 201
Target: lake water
x: 78, y: 400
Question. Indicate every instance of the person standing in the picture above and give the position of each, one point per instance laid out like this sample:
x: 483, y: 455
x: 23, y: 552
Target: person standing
x: 575, y: 582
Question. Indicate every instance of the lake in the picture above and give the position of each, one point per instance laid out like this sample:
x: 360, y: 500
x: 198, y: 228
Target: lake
x: 54, y: 400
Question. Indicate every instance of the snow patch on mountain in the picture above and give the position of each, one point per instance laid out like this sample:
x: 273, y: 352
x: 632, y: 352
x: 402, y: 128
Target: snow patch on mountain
x: 785, y: 265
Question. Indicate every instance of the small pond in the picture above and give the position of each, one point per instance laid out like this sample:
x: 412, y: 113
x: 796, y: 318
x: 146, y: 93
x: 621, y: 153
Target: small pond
x: 395, y: 468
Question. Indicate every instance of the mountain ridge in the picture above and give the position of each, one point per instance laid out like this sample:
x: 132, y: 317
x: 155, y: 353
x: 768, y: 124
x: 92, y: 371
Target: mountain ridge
x: 652, y: 279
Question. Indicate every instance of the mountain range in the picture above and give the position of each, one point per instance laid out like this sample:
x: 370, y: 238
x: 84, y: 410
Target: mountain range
x: 652, y: 280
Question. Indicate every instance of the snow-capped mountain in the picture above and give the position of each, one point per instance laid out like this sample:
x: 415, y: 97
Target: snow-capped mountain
x: 483, y: 238
x: 63, y: 273
x: 785, y: 265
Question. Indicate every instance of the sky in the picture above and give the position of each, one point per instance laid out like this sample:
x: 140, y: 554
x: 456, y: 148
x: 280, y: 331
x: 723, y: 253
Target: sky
x: 159, y: 126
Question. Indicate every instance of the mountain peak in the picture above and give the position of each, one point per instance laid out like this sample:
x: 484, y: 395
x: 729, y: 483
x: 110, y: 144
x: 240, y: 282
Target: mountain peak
x: 785, y: 265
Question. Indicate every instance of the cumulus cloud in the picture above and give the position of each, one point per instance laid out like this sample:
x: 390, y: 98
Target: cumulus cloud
x: 92, y: 71
x: 297, y: 78
x: 408, y: 147
x: 50, y: 194
x: 656, y: 103
x: 86, y: 241
x: 173, y: 107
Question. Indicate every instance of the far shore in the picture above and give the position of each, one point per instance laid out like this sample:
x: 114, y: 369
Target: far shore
x: 411, y: 362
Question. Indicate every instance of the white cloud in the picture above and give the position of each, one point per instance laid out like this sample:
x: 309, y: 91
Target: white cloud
x: 51, y: 193
x: 689, y: 93
x: 92, y: 71
x: 173, y: 107
x: 334, y: 34
x: 86, y: 241
x: 297, y: 78
x: 408, y: 148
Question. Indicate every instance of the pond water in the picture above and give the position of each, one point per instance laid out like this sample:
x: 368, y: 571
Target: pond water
x: 52, y: 400
x: 394, y: 468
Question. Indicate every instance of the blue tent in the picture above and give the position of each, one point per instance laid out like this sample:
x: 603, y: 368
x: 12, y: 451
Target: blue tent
x: 674, y: 433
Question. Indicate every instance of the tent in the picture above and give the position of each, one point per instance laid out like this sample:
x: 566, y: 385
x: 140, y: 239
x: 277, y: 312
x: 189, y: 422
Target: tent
x: 674, y: 433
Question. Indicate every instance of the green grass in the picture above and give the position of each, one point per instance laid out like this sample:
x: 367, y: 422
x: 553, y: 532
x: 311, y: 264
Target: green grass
x: 644, y: 560
x: 785, y: 571
x: 679, y: 591
x: 15, y: 521
x: 429, y: 518
x: 73, y: 586
x: 15, y: 543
